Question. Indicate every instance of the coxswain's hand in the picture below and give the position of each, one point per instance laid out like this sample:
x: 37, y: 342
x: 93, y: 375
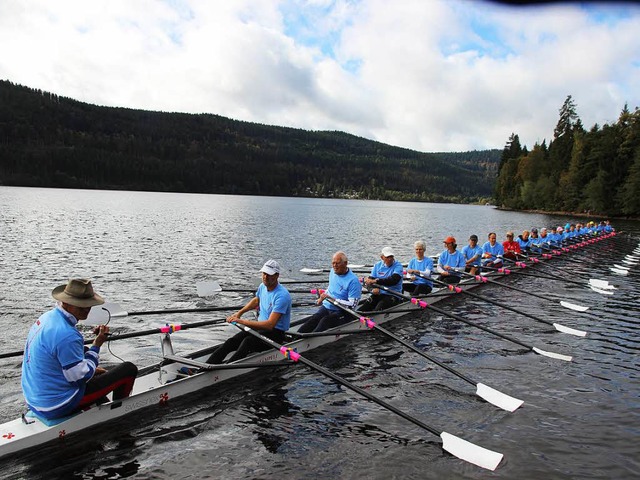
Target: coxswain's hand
x: 101, y: 337
x: 100, y: 371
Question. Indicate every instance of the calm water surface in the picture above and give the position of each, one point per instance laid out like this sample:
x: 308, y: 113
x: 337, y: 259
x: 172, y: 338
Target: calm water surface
x: 146, y: 251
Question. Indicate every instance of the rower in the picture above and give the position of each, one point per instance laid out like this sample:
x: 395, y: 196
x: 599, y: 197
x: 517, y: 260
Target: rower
x: 387, y: 272
x: 60, y: 377
x: 273, y: 302
x: 491, y: 252
x: 472, y: 255
x: 421, y: 266
x: 451, y: 263
x: 535, y: 242
x: 344, y: 288
x: 524, y: 241
x: 511, y: 247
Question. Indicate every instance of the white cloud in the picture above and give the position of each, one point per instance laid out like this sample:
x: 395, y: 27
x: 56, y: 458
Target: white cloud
x: 435, y: 76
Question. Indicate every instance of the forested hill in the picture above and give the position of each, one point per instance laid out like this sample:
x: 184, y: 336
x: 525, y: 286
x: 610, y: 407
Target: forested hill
x: 52, y: 141
x: 595, y: 171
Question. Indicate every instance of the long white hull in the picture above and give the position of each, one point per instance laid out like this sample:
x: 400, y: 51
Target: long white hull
x: 166, y: 383
x: 163, y: 385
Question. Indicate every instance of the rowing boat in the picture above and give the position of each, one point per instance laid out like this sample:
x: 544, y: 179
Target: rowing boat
x: 165, y: 381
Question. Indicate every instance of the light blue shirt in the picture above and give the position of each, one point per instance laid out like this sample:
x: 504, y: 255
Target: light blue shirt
x: 277, y: 300
x: 380, y: 270
x: 55, y: 367
x: 346, y: 289
x: 494, y: 250
x: 523, y: 244
x: 454, y: 260
x: 425, y: 266
x: 469, y: 252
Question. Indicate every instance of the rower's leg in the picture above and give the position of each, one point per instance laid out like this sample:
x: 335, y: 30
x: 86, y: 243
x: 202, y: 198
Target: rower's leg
x: 230, y: 345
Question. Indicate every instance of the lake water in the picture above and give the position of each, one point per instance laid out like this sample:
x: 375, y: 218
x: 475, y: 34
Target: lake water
x: 146, y: 251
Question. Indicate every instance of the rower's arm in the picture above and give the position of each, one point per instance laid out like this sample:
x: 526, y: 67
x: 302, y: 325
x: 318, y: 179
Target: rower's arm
x: 251, y: 305
x: 268, y: 324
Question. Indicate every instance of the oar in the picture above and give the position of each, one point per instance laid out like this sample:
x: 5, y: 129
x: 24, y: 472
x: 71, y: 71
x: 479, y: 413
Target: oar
x: 168, y: 328
x: 572, y: 306
x: 546, y: 268
x: 456, y: 446
x: 548, y: 276
x: 211, y: 287
x: 352, y: 266
x: 326, y: 270
x: 103, y: 313
x: 592, y: 281
x: 557, y: 326
x: 423, y: 304
x: 489, y: 394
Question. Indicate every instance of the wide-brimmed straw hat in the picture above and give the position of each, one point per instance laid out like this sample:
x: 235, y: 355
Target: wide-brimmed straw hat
x: 77, y: 292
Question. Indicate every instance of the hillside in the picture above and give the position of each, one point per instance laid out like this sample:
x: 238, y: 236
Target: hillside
x: 52, y: 141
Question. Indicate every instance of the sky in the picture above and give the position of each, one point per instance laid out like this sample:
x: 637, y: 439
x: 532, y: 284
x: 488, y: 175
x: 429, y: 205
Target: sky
x: 430, y: 75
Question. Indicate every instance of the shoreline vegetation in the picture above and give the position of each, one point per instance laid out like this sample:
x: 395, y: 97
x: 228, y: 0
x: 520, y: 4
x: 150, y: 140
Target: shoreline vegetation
x: 51, y: 141
x: 595, y: 171
x: 561, y: 213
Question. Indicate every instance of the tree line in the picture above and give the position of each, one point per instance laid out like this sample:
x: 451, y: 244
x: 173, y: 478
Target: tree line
x: 48, y: 140
x: 595, y: 171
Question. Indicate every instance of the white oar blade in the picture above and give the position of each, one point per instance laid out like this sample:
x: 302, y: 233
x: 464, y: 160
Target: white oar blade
x: 570, y: 331
x: 101, y: 314
x: 619, y: 271
x: 497, y: 398
x: 311, y: 270
x: 557, y: 356
x: 206, y: 289
x: 603, y: 284
x: 470, y: 452
x: 601, y: 291
x: 573, y: 306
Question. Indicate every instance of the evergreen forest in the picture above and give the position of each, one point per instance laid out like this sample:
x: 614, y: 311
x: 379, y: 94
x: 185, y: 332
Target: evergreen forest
x: 595, y: 171
x: 48, y: 140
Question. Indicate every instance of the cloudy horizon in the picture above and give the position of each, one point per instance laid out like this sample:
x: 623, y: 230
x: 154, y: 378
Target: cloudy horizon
x: 427, y: 75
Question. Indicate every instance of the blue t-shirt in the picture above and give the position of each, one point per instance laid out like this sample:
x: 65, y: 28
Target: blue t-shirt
x: 469, y: 252
x: 380, y: 270
x: 494, y: 250
x: 553, y: 239
x: 425, y: 266
x: 524, y: 244
x: 277, y: 300
x: 453, y: 260
x: 345, y: 287
x: 55, y: 367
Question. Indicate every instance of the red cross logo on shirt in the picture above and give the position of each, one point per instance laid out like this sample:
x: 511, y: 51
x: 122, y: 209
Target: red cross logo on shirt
x: 8, y: 436
x: 164, y: 398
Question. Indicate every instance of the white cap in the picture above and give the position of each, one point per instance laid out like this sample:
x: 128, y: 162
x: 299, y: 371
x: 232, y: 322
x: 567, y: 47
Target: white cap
x: 387, y: 252
x: 271, y: 267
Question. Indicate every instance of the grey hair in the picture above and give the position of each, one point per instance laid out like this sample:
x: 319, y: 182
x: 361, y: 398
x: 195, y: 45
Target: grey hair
x: 342, y: 255
x: 420, y: 243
